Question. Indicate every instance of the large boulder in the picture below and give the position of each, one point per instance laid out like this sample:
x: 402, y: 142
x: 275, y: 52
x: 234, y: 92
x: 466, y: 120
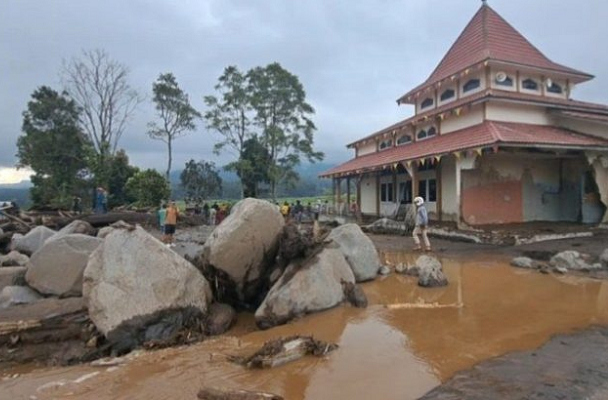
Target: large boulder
x: 572, y: 260
x: 314, y: 286
x: 75, y: 227
x: 17, y: 295
x: 430, y: 272
x: 11, y: 275
x: 137, y: 289
x: 32, y: 241
x: 14, y: 258
x: 57, y: 268
x: 105, y: 231
x: 358, y: 249
x: 220, y: 319
x: 242, y: 248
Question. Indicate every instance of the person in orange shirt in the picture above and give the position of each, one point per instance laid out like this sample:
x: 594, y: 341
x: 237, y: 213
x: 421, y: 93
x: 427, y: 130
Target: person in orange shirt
x: 170, y: 223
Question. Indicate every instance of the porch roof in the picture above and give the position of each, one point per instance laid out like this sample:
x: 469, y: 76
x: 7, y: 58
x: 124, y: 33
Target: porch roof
x: 484, y: 135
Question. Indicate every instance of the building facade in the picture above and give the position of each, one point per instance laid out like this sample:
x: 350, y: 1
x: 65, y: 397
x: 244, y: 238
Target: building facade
x: 496, y: 138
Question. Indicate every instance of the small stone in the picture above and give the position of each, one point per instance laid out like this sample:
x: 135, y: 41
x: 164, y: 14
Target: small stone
x: 604, y: 259
x: 560, y: 270
x: 523, y: 262
x: 400, y: 268
x: 92, y: 343
x: 384, y: 270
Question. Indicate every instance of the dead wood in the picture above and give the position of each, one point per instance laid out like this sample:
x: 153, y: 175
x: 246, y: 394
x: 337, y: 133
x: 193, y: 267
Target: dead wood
x: 215, y: 393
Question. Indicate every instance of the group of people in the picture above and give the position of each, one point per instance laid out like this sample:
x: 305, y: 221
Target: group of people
x: 214, y: 214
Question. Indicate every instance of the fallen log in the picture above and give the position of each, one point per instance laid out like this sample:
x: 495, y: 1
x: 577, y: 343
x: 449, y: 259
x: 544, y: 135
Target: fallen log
x: 284, y: 350
x: 16, y: 219
x: 214, y: 393
x: 417, y: 305
x: 101, y: 220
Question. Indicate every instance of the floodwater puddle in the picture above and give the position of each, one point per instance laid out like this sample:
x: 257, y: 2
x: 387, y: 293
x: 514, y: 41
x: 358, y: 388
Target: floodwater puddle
x: 384, y: 352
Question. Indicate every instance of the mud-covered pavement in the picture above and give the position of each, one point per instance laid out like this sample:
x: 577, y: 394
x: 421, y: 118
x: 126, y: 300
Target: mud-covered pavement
x: 384, y: 352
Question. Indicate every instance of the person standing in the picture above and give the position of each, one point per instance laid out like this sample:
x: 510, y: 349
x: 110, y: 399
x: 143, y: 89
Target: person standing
x: 422, y: 222
x: 162, y: 215
x: 171, y: 223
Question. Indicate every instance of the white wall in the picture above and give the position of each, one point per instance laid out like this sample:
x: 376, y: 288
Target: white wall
x: 467, y: 119
x: 519, y: 113
x: 369, y: 147
x: 368, y: 194
x: 510, y: 73
x: 585, y: 127
x: 449, y: 194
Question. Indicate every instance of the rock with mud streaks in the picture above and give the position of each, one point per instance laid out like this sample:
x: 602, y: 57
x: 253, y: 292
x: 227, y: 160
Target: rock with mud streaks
x: 12, y: 275
x: 220, y: 319
x: 75, y: 227
x: 430, y: 272
x: 314, y: 286
x: 571, y: 260
x: 355, y: 295
x: 523, y: 262
x: 358, y: 249
x: 136, y: 288
x: 57, y: 267
x: 17, y: 295
x: 14, y: 258
x: 243, y: 247
x: 32, y: 241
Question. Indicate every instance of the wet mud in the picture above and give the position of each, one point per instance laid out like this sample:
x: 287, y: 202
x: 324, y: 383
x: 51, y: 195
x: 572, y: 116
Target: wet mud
x: 384, y: 352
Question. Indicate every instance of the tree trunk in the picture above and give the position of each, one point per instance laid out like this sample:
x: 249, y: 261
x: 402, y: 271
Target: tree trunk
x: 170, y: 159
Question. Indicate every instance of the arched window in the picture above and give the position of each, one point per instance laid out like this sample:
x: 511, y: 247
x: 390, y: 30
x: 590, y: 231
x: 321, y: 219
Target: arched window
x: 529, y: 84
x: 431, y: 132
x: 508, y: 81
x: 428, y: 102
x: 386, y: 144
x: 404, y: 139
x: 421, y: 134
x: 447, y: 94
x: 471, y: 84
x: 555, y: 88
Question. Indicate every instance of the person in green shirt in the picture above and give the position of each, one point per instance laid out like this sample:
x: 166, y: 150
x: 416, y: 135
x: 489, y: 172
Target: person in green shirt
x: 162, y: 215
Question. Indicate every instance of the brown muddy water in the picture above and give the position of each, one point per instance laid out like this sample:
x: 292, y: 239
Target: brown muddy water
x: 384, y: 353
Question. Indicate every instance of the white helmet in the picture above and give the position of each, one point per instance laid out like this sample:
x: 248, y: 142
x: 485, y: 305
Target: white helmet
x: 418, y: 201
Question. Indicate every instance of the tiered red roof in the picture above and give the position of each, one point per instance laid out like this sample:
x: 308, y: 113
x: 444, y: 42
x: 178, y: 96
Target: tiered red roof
x: 488, y: 37
x: 484, y: 135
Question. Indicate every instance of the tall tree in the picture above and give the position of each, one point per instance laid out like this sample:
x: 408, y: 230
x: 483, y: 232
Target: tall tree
x: 99, y: 86
x: 253, y: 169
x: 54, y: 146
x: 148, y: 188
x: 284, y: 118
x: 120, y: 172
x: 201, y: 180
x: 176, y: 114
x: 230, y: 116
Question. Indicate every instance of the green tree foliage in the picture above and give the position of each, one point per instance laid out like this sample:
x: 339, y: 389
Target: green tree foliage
x: 284, y: 119
x: 99, y: 86
x: 175, y: 113
x: 229, y: 114
x: 120, y: 172
x: 148, y: 188
x: 54, y: 147
x: 253, y: 167
x: 201, y: 180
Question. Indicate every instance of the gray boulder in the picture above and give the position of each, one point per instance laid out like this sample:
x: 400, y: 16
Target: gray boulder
x: 523, y: 262
x: 220, y: 319
x: 572, y: 260
x: 137, y: 289
x: 430, y: 272
x: 17, y: 295
x: 314, y: 286
x: 11, y: 275
x: 604, y: 259
x: 32, y: 241
x: 358, y: 249
x: 75, y: 227
x: 243, y: 247
x: 14, y: 258
x: 105, y: 231
x: 57, y: 268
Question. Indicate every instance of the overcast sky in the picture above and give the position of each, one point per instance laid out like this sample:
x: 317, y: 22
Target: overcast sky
x: 354, y: 58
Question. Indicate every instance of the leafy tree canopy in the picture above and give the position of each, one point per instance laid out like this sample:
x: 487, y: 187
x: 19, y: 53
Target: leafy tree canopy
x: 148, y: 188
x: 201, y: 180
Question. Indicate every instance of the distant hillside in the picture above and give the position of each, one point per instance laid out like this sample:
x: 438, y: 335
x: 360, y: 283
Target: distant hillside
x: 19, y: 195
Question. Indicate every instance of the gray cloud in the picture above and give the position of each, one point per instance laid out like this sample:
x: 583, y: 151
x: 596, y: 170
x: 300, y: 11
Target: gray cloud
x: 354, y: 58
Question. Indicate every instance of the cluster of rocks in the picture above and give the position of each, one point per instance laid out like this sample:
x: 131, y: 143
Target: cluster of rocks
x: 138, y: 291
x: 428, y: 269
x: 564, y: 262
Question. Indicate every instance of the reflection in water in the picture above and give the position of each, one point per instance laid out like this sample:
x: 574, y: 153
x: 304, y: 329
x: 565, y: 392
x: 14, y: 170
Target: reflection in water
x: 384, y: 353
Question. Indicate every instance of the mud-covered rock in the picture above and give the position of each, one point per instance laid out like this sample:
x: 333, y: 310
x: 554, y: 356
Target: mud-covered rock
x: 293, y: 243
x: 57, y: 267
x: 14, y: 258
x: 354, y: 295
x: 604, y: 259
x: 11, y: 275
x: 133, y: 282
x: 572, y: 260
x: 32, y: 241
x: 523, y: 262
x: 358, y: 249
x: 75, y: 227
x: 220, y: 319
x: 105, y: 231
x: 242, y: 249
x: 313, y: 286
x: 430, y: 272
x: 17, y: 295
